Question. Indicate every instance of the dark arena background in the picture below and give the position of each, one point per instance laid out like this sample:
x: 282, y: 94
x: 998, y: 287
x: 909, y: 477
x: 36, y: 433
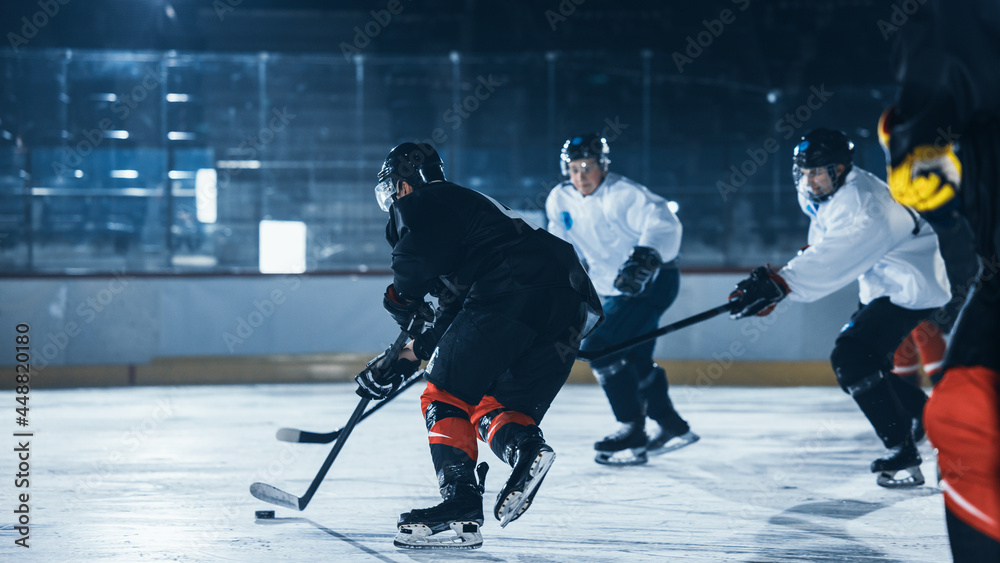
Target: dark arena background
x: 189, y: 236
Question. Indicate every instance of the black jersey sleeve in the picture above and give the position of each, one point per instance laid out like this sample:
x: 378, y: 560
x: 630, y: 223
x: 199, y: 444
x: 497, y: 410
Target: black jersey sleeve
x: 424, y: 247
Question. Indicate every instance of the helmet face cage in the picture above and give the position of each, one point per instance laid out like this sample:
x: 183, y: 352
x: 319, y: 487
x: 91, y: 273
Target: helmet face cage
x: 818, y: 183
x: 385, y: 188
x: 815, y: 160
x: 582, y: 147
x: 385, y: 194
x: 416, y: 164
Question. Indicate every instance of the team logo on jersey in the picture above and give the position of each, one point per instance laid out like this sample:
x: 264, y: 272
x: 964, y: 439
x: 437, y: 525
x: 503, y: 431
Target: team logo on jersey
x: 567, y: 220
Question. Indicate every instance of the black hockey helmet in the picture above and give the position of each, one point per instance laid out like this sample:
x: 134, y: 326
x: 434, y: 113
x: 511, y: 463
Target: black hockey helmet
x: 588, y: 145
x: 821, y: 149
x: 415, y: 163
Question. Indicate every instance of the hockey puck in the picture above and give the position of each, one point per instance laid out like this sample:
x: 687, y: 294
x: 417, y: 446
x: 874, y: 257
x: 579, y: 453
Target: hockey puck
x: 264, y: 514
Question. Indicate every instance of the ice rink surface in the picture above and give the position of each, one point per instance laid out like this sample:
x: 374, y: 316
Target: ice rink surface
x: 163, y: 474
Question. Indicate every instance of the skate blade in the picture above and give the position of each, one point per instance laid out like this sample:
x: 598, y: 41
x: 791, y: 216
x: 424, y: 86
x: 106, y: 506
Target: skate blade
x: 888, y: 479
x: 634, y: 456
x: 419, y: 536
x: 518, y: 501
x: 675, y: 443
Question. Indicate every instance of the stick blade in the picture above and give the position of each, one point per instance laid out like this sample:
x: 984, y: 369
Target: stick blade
x: 306, y: 437
x: 274, y: 495
x: 288, y: 434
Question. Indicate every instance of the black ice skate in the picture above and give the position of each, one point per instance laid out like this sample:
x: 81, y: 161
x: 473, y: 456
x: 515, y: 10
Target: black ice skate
x: 903, y: 457
x: 532, y: 458
x: 627, y: 446
x: 664, y: 441
x: 917, y: 429
x: 461, y: 512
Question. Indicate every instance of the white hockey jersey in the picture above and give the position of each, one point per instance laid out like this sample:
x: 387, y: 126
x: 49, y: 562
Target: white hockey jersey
x: 605, y: 226
x: 862, y: 233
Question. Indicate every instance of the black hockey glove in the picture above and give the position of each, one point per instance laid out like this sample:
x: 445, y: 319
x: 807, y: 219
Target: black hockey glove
x: 378, y: 381
x: 638, y: 271
x: 758, y: 294
x: 401, y: 308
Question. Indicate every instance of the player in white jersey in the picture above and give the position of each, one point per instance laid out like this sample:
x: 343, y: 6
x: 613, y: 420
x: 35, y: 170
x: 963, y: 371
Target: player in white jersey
x: 629, y: 240
x: 858, y: 232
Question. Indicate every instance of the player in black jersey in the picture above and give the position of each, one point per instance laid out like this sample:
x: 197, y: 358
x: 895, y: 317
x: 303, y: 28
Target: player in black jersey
x: 513, y: 304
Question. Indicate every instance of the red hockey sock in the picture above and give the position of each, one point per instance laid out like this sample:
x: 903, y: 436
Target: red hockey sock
x: 929, y: 340
x: 906, y: 360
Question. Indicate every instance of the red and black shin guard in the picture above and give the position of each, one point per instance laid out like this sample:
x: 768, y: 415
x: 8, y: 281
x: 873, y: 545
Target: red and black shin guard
x: 451, y: 435
x: 498, y: 426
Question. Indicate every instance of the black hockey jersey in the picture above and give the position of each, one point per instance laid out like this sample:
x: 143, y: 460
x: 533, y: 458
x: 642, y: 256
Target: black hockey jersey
x: 445, y: 234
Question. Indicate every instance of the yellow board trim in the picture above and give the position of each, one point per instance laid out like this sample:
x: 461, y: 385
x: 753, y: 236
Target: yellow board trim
x: 222, y: 370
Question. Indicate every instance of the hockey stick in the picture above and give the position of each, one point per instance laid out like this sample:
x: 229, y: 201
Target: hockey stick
x: 694, y: 319
x: 306, y: 437
x: 274, y: 495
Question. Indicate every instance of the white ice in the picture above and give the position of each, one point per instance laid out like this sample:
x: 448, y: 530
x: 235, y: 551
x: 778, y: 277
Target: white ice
x: 162, y: 474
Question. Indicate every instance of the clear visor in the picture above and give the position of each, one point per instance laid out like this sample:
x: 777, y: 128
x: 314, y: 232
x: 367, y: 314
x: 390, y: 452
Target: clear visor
x: 385, y: 194
x: 817, y: 184
x: 584, y: 166
x: 579, y: 166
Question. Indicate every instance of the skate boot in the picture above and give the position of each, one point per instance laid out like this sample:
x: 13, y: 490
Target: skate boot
x: 917, y: 429
x: 461, y: 512
x: 627, y: 446
x: 531, y: 459
x: 664, y: 440
x: 903, y: 457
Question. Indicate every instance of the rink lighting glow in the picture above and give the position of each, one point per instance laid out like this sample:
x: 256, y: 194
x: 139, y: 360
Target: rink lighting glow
x: 180, y: 136
x: 282, y: 247
x: 130, y: 174
x: 180, y: 175
x: 205, y: 195
x: 178, y: 97
x: 673, y: 206
x: 250, y: 164
x: 116, y: 134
